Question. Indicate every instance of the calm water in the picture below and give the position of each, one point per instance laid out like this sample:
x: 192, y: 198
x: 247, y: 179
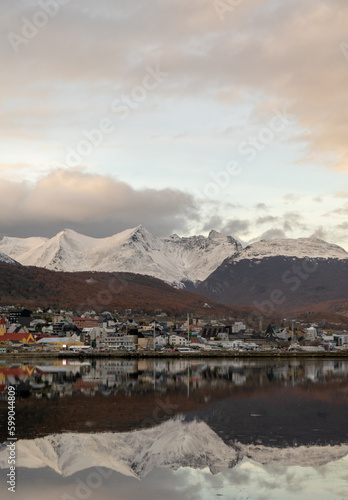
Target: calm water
x: 177, y: 429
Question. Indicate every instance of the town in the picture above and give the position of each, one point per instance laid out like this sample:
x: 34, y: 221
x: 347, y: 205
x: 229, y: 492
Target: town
x: 22, y: 330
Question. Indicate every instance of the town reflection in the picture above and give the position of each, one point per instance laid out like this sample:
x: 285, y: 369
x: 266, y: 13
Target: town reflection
x: 67, y: 377
x: 268, y: 401
x: 246, y: 428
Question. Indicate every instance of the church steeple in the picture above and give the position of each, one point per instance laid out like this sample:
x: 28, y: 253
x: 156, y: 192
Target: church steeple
x: 2, y: 326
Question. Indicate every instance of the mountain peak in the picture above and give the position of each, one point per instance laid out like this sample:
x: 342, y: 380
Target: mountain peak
x: 67, y: 232
x: 215, y: 235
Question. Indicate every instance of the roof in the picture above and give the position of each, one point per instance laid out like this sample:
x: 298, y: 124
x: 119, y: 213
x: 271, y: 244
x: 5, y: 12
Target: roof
x: 17, y: 337
x: 51, y: 340
x: 16, y: 328
x: 85, y: 319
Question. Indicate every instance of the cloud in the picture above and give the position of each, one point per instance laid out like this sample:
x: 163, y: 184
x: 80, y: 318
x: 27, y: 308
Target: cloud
x: 94, y: 204
x: 215, y: 222
x: 236, y: 227
x: 293, y: 221
x: 318, y: 199
x: 261, y: 206
x: 232, y: 227
x: 337, y: 211
x: 291, y: 197
x: 341, y: 194
x: 292, y: 54
x: 321, y: 233
x: 272, y: 234
x: 266, y: 219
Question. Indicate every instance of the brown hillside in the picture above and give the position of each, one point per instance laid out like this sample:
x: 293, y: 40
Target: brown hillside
x: 34, y: 287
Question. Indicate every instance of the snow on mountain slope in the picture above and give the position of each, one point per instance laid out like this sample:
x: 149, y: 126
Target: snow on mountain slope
x: 301, y: 248
x: 173, y: 444
x: 174, y: 259
x: 21, y: 249
x: 5, y: 259
x: 197, y: 256
x: 64, y: 252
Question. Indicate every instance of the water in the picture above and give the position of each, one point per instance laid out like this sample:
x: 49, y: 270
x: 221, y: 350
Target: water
x: 177, y: 429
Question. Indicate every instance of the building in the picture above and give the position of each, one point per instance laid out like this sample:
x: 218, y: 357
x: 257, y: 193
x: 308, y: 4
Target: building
x: 143, y: 342
x: 2, y: 326
x: 238, y: 326
x: 212, y: 330
x: 17, y: 337
x: 21, y: 316
x: 58, y: 327
x: 341, y: 339
x: 85, y: 322
x: 121, y: 342
x: 311, y: 333
x: 178, y: 340
x: 162, y: 341
x: 97, y: 334
x: 59, y: 342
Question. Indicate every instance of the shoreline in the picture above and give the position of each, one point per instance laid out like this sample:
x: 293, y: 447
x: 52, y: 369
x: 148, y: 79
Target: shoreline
x: 174, y: 355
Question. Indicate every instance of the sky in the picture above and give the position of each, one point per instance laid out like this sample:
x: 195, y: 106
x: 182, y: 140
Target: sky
x: 183, y: 116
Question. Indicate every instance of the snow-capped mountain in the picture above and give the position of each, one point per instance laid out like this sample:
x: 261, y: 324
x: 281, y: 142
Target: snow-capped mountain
x: 280, y: 275
x: 172, y: 259
x: 173, y: 444
x: 216, y: 265
x: 300, y: 248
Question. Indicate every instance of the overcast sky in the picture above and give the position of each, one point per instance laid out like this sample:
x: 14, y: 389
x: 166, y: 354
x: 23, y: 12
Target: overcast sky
x: 179, y: 115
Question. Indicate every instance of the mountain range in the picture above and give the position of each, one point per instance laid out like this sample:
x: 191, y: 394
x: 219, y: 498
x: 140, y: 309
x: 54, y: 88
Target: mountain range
x: 172, y: 444
x: 268, y: 275
x: 173, y: 259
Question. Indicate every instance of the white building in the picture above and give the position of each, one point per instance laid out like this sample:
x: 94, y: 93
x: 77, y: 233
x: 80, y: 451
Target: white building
x: 341, y: 339
x: 124, y: 342
x: 97, y: 333
x: 238, y: 326
x: 178, y: 340
x: 311, y: 333
x: 162, y: 341
x: 233, y: 344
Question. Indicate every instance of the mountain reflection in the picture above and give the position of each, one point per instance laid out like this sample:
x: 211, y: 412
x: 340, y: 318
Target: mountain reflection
x: 232, y: 428
x: 173, y: 444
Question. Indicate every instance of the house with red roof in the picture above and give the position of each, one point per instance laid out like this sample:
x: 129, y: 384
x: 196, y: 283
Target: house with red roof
x: 19, y: 337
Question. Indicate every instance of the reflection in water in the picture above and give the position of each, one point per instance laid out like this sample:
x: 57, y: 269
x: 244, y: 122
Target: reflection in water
x: 236, y: 428
x: 247, y: 481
